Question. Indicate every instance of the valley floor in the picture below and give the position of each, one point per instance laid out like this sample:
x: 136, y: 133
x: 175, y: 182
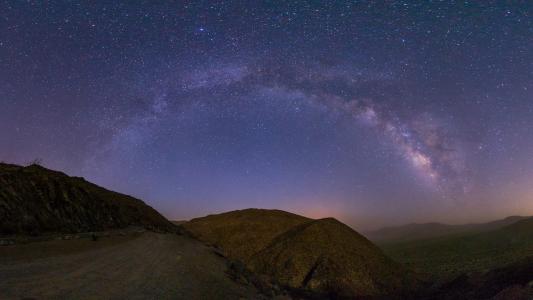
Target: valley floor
x: 141, y: 266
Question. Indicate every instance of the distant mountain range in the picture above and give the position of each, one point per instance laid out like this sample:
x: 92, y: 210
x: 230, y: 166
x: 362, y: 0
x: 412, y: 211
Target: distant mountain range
x: 445, y: 257
x: 35, y: 200
x: 415, y: 231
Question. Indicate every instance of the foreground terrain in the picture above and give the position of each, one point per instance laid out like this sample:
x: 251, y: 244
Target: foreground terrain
x: 62, y: 237
x: 139, y: 266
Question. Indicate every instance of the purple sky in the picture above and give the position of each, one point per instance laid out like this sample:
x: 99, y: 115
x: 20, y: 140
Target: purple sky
x: 373, y: 113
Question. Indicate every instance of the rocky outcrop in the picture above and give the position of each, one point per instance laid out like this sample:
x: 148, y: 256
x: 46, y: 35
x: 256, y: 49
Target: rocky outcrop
x: 35, y: 200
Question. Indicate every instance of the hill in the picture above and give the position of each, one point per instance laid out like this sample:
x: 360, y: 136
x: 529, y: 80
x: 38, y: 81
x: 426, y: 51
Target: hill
x: 450, y: 256
x: 35, y: 200
x: 416, y: 231
x: 513, y: 281
x: 324, y: 257
x: 242, y: 233
x: 522, y: 228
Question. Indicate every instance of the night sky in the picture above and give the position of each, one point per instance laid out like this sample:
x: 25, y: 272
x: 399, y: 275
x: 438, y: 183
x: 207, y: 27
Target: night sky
x: 377, y: 113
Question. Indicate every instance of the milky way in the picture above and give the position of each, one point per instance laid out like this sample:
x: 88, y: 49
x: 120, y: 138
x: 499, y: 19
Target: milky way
x: 421, y: 141
x: 376, y: 113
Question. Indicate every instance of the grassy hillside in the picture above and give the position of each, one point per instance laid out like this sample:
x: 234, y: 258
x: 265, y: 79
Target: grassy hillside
x: 322, y: 256
x: 329, y: 257
x: 511, y: 282
x: 35, y: 200
x: 446, y: 257
x: 242, y: 233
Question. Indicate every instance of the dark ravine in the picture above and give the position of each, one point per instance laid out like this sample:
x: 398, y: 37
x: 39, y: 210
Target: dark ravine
x: 35, y: 201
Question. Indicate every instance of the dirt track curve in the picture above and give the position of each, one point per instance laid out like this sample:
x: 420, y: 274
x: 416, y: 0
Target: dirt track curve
x: 143, y: 266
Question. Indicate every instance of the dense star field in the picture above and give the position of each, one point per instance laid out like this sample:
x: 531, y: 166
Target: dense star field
x: 374, y: 112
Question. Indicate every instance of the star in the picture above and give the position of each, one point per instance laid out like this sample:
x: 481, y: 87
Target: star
x: 398, y: 105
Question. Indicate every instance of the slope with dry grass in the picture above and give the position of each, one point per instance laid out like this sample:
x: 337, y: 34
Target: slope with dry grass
x: 324, y: 257
x: 242, y: 233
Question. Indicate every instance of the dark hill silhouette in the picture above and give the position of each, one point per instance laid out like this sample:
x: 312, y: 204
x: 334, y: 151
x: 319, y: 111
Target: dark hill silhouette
x: 448, y: 256
x: 323, y: 256
x: 416, y: 231
x: 511, y: 282
x: 36, y: 200
x: 522, y: 227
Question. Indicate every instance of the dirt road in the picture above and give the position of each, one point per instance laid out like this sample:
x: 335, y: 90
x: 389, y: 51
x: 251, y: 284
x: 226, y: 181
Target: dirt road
x: 143, y: 266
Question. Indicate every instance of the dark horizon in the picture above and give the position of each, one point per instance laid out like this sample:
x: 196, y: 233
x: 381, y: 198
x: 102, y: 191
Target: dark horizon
x: 377, y: 114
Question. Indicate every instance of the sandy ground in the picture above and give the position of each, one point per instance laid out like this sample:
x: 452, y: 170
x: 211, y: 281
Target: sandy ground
x: 140, y: 266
